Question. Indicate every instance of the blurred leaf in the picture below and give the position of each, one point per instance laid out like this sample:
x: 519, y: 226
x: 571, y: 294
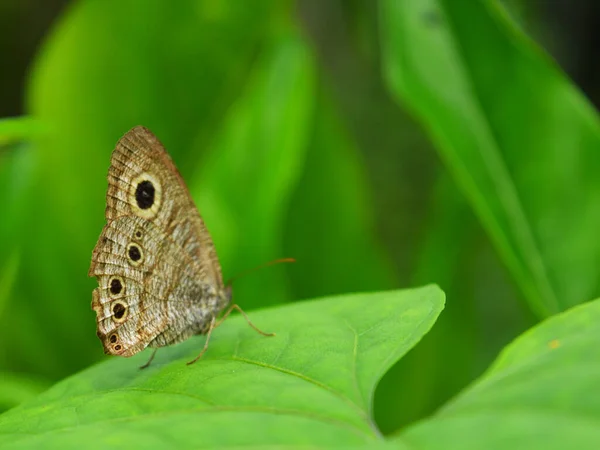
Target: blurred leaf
x: 300, y: 388
x: 329, y: 228
x: 18, y: 168
x: 17, y: 163
x: 519, y: 139
x: 540, y: 393
x: 244, y: 185
x: 8, y: 275
x: 16, y: 389
x: 15, y: 130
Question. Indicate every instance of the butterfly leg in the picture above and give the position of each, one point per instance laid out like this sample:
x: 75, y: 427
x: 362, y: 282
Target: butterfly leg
x: 214, y: 324
x: 234, y: 306
x: 211, y: 327
x: 150, y: 360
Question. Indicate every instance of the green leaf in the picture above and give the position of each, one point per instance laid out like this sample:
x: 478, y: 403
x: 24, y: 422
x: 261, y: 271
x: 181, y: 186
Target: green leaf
x: 14, y: 130
x: 312, y: 384
x: 17, y: 388
x: 540, y: 393
x: 519, y: 139
x: 18, y: 165
x: 8, y: 275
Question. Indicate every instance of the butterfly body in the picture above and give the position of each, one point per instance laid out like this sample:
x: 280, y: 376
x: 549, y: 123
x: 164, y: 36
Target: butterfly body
x: 159, y: 278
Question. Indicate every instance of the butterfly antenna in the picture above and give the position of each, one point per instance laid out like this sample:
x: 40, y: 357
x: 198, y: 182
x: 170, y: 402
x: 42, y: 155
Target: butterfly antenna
x: 262, y: 266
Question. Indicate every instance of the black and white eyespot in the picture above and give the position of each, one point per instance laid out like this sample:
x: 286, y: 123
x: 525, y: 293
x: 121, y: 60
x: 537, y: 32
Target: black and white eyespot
x: 145, y: 195
x: 138, y: 234
x: 135, y: 254
x: 116, y: 287
x: 119, y: 311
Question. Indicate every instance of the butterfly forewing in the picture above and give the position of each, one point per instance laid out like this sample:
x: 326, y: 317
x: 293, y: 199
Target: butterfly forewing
x: 143, y: 181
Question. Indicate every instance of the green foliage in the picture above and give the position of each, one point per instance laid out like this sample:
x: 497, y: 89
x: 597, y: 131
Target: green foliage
x: 297, y: 388
x: 281, y: 162
x: 538, y: 394
x: 520, y: 140
x: 265, y: 132
x: 522, y: 146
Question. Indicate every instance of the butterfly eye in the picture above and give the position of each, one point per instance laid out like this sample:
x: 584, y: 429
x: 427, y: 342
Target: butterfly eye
x: 138, y: 233
x: 113, y: 338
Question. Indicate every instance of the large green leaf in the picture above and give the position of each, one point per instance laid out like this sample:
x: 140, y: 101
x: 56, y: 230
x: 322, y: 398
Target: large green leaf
x: 312, y: 384
x: 540, y: 393
x: 519, y: 138
x: 17, y: 388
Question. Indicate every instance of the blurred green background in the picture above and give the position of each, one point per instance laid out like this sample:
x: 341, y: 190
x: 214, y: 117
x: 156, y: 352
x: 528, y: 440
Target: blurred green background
x: 383, y: 144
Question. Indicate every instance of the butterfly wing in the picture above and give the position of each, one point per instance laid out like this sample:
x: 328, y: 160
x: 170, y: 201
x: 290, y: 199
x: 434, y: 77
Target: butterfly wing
x: 158, y: 274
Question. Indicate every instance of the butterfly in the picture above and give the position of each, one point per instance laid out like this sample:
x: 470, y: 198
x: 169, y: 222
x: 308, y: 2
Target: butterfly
x: 159, y: 277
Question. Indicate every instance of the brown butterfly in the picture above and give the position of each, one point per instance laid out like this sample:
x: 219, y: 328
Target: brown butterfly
x: 158, y: 273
